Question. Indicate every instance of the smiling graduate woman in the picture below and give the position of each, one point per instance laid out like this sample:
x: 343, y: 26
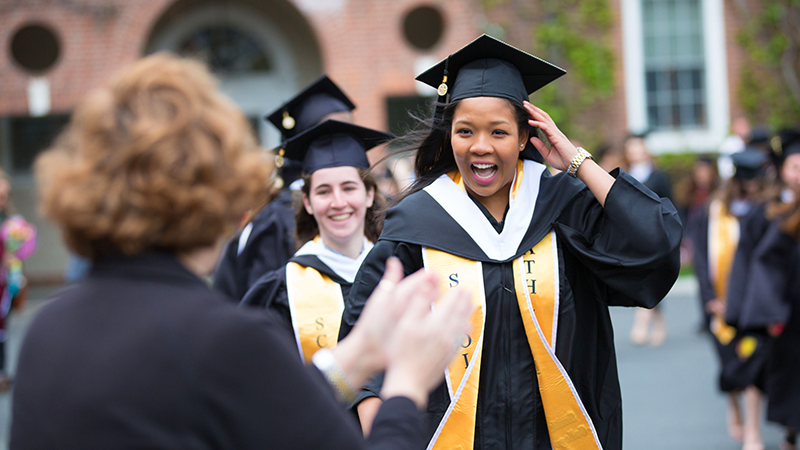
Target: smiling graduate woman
x: 543, y: 255
x: 337, y: 223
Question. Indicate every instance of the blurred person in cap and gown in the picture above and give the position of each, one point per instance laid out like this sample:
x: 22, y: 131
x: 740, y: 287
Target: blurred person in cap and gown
x: 266, y: 242
x: 648, y: 324
x: 545, y: 255
x: 715, y: 234
x: 337, y: 223
x: 736, y: 142
x: 149, y: 176
x: 764, y: 293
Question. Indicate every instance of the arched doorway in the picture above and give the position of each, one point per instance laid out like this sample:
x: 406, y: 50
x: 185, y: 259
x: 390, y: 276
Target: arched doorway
x: 261, y: 55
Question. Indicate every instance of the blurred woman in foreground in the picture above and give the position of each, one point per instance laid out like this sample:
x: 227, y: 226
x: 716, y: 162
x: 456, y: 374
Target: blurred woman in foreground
x: 151, y: 174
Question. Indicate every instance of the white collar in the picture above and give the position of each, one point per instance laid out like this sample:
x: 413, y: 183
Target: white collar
x: 641, y: 171
x: 465, y: 212
x: 342, y: 265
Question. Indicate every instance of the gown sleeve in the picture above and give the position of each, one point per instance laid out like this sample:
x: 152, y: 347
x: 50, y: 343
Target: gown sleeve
x: 269, y: 293
x: 227, y: 277
x: 699, y: 235
x: 271, y: 244
x: 765, y: 301
x: 632, y: 245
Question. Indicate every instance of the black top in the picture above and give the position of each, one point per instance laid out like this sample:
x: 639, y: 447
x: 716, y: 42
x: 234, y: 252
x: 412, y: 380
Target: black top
x: 143, y: 355
x: 625, y: 254
x: 268, y: 247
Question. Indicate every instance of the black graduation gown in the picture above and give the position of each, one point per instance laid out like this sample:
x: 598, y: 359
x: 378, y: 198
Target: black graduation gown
x: 736, y: 371
x: 754, y: 299
x: 269, y: 291
x: 751, y: 304
x: 269, y: 247
x: 659, y: 183
x: 143, y: 355
x: 624, y: 254
x: 771, y: 295
x: 783, y: 369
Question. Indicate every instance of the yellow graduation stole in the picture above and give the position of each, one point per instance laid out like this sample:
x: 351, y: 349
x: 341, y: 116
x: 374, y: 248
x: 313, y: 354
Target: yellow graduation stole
x: 316, y: 305
x: 537, y: 289
x: 723, y: 238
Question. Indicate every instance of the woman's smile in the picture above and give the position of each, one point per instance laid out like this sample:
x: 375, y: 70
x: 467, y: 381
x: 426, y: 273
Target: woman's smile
x: 484, y: 173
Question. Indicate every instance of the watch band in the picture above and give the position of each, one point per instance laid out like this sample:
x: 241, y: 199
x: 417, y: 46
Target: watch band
x: 326, y: 362
x: 577, y: 161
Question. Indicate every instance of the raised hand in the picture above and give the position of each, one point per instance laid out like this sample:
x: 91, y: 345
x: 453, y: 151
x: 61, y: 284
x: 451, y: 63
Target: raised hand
x: 561, y: 151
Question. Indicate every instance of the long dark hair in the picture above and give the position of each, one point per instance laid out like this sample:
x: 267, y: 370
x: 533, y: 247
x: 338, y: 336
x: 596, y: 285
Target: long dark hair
x: 307, y: 227
x: 430, y: 139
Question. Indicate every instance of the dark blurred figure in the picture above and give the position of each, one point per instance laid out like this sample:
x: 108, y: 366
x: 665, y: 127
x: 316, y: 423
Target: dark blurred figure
x: 610, y: 157
x: 648, y: 324
x: 694, y: 199
x: 696, y: 192
x: 266, y: 241
x: 715, y: 231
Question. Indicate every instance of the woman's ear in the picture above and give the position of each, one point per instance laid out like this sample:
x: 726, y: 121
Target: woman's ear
x: 307, y: 205
x: 524, y: 136
x: 370, y: 197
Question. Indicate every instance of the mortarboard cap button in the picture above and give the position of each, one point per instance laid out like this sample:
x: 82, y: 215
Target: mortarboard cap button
x: 287, y: 121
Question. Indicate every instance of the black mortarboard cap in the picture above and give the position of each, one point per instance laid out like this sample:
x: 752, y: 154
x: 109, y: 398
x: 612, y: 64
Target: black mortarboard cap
x: 759, y: 135
x: 785, y: 143
x: 749, y: 163
x: 333, y: 144
x: 320, y: 98
x: 487, y: 67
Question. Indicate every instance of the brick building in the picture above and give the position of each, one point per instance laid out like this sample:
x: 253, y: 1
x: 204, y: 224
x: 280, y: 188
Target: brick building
x: 677, y: 64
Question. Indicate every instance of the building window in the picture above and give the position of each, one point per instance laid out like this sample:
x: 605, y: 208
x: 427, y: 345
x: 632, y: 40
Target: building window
x: 226, y: 49
x: 35, y: 48
x: 423, y: 27
x: 29, y: 136
x: 674, y: 63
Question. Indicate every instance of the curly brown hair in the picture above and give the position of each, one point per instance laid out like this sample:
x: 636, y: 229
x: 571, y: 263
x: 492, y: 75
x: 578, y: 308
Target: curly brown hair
x: 307, y: 228
x: 157, y: 160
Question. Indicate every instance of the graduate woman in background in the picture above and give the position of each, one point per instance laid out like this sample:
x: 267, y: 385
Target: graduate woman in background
x: 266, y: 242
x: 765, y: 290
x: 337, y: 223
x: 152, y: 173
x: 715, y: 235
x: 543, y: 255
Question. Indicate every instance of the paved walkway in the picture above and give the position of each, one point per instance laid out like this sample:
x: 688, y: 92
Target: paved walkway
x: 669, y: 396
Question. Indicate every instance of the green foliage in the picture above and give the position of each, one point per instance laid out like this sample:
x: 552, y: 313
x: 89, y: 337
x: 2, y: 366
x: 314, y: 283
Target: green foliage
x: 677, y: 164
x: 763, y: 90
x: 576, y: 36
